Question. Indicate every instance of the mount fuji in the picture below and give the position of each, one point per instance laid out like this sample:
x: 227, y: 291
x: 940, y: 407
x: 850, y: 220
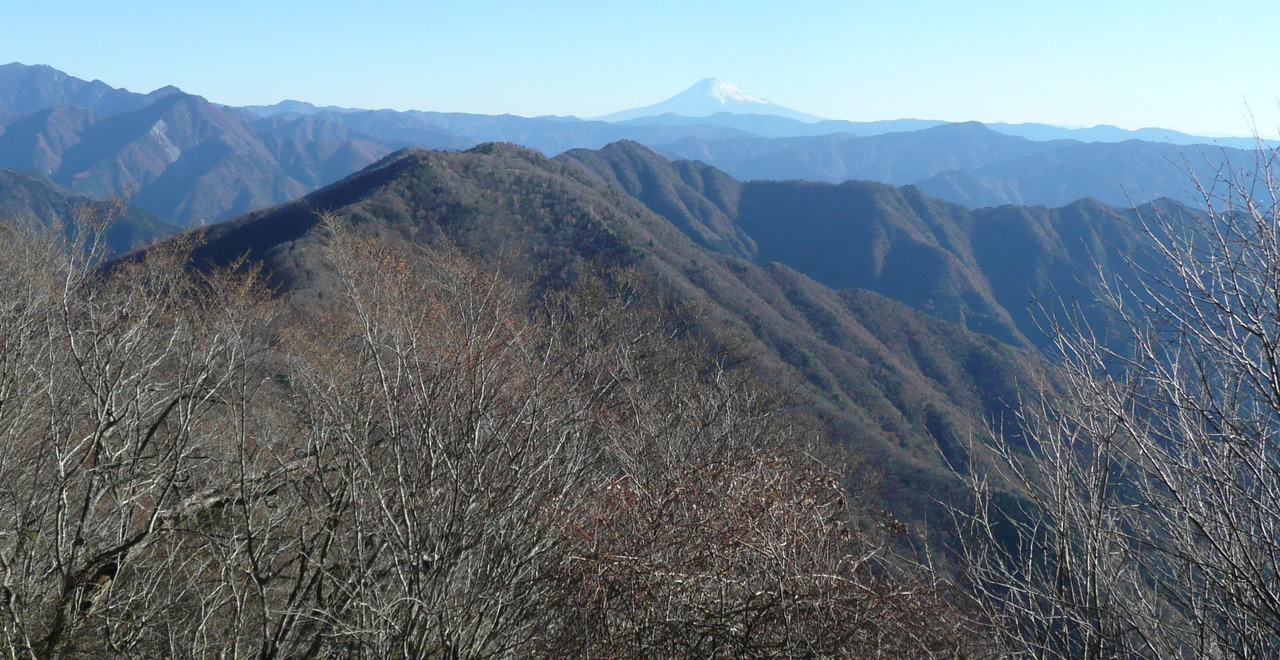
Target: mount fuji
x: 708, y: 97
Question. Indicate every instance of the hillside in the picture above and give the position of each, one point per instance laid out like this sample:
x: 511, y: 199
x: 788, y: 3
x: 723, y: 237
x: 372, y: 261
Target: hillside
x: 891, y: 382
x: 987, y: 269
x: 32, y: 200
x: 702, y: 201
x: 181, y: 157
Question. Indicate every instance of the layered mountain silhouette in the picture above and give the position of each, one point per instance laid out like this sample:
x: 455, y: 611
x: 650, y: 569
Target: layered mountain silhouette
x: 988, y: 270
x: 1123, y: 174
x: 897, y: 158
x: 973, y: 165
x: 775, y: 126
x: 966, y: 163
x: 190, y: 161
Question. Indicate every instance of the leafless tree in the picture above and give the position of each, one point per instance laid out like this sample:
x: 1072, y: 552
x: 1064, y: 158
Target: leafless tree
x: 586, y: 481
x: 451, y: 434
x: 117, y: 390
x: 1138, y: 516
x: 426, y: 461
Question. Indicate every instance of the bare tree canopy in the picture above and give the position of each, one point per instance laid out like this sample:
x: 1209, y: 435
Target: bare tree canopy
x: 1138, y: 517
x: 423, y: 462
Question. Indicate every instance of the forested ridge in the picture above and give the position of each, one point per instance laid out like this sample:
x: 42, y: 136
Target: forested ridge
x: 490, y: 404
x: 424, y: 461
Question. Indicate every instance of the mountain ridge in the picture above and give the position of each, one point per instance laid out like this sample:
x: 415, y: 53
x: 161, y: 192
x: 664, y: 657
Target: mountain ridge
x: 30, y: 88
x: 984, y: 269
x: 548, y: 219
x: 181, y: 157
x: 194, y: 162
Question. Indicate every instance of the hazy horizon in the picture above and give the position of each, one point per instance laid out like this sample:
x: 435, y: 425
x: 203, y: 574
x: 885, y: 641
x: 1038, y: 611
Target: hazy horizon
x: 1180, y: 66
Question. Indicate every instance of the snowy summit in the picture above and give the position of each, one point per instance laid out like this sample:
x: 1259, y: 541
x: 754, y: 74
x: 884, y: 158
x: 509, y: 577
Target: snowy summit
x: 708, y: 97
x: 725, y: 92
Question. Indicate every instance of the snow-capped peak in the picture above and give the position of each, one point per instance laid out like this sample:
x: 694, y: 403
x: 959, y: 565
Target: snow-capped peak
x: 710, y: 96
x: 726, y: 92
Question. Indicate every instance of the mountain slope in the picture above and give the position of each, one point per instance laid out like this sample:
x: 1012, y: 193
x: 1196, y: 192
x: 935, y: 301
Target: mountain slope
x: 898, y: 386
x: 315, y: 151
x: 181, y: 157
x: 187, y: 158
x: 38, y: 141
x: 702, y: 201
x: 27, y: 198
x: 986, y: 269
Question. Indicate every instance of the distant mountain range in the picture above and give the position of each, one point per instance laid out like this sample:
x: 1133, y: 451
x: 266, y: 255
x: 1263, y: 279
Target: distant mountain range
x: 26, y: 89
x: 715, y: 102
x: 973, y: 165
x: 180, y: 157
x: 190, y: 161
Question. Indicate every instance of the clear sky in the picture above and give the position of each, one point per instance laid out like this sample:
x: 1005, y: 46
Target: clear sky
x: 1190, y: 65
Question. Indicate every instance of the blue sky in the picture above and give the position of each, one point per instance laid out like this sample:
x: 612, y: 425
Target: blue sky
x: 1199, y: 67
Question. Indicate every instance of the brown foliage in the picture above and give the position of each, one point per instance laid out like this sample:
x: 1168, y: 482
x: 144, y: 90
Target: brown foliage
x: 418, y: 463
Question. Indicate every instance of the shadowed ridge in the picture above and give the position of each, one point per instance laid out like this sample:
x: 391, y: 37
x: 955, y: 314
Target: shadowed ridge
x: 701, y: 200
x: 544, y: 221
